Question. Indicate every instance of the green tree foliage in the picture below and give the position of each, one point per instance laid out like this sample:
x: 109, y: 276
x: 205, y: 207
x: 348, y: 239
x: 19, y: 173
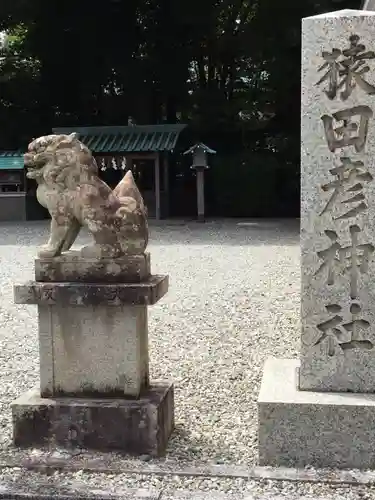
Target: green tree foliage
x: 230, y: 68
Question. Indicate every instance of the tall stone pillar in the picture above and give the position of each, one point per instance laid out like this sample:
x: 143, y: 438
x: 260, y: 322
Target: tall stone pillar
x: 321, y: 411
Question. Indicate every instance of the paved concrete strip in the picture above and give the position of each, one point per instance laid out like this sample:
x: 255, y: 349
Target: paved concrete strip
x: 334, y: 476
x: 39, y: 491
x: 44, y: 492
x: 215, y: 495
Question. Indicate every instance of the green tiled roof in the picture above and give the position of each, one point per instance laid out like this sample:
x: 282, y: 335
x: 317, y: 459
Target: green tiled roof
x: 133, y: 138
x: 11, y: 160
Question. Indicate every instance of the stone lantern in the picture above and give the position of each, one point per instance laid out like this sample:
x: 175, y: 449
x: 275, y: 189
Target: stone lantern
x: 199, y: 152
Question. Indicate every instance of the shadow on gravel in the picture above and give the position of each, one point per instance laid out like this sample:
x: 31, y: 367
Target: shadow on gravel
x: 222, y: 232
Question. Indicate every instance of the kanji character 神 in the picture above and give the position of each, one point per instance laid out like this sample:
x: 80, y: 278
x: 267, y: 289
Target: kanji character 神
x: 353, y: 259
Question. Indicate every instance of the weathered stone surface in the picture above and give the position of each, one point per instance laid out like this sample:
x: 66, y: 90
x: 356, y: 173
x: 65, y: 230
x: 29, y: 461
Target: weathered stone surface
x: 138, y: 427
x: 93, y: 351
x: 323, y: 429
x: 321, y: 411
x: 70, y: 189
x: 71, y: 266
x: 92, y: 294
x: 92, y: 308
x: 337, y: 202
x: 368, y: 5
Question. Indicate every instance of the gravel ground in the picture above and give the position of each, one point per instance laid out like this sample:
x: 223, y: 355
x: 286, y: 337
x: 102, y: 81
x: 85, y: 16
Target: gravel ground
x: 233, y: 301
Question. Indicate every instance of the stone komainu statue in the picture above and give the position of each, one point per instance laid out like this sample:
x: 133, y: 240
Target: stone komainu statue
x: 70, y: 189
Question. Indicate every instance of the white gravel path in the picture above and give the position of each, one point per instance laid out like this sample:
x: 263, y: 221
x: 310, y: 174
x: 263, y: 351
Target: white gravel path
x: 233, y: 301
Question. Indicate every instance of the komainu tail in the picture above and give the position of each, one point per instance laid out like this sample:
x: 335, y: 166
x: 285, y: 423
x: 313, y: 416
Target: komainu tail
x: 128, y: 188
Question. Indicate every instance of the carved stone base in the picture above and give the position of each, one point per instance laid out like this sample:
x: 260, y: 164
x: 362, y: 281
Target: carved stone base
x: 114, y: 337
x: 92, y: 294
x: 93, y: 336
x: 322, y: 429
x: 137, y: 427
x: 71, y: 266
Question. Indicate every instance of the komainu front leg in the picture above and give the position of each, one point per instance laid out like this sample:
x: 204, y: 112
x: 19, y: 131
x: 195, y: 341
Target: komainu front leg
x: 59, y: 231
x: 72, y: 235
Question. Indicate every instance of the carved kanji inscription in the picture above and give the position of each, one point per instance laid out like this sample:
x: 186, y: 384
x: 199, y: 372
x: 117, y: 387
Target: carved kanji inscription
x: 345, y: 69
x: 348, y: 127
x: 352, y: 259
x: 336, y: 333
x: 347, y: 188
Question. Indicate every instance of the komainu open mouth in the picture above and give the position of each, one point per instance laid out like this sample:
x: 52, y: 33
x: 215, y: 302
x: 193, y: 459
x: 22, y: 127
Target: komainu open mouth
x: 32, y: 173
x: 34, y: 169
x: 28, y: 159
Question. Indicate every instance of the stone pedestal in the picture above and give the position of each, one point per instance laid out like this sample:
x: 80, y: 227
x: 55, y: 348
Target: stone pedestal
x: 141, y: 426
x: 93, y: 350
x: 311, y: 423
x: 299, y: 428
x: 94, y: 374
x: 72, y: 267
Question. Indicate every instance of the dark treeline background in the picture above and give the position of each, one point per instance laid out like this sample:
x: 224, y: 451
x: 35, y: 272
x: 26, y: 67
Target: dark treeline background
x: 228, y: 68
